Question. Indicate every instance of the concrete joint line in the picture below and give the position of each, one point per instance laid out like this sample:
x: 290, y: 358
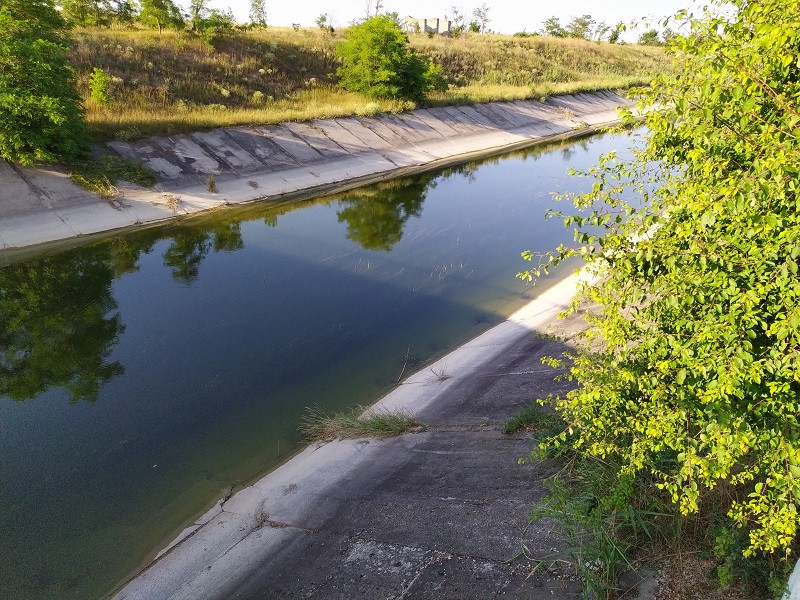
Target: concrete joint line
x: 42, y: 195
x: 213, y: 155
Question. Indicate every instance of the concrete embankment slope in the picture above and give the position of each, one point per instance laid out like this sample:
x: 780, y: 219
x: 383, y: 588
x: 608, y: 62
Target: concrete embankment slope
x: 39, y: 205
x: 433, y: 515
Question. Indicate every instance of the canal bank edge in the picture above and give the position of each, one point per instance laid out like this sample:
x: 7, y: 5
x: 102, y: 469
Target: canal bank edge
x: 41, y: 209
x: 238, y: 537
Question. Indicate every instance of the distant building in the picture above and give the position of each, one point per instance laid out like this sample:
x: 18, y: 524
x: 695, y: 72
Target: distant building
x: 435, y: 25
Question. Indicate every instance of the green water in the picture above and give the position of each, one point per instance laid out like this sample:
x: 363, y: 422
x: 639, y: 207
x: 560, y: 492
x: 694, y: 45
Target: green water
x: 142, y: 375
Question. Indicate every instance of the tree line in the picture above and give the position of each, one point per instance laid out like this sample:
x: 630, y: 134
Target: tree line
x: 160, y: 14
x: 585, y: 27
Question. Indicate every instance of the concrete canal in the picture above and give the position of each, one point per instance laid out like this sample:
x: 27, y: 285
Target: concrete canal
x: 144, y: 376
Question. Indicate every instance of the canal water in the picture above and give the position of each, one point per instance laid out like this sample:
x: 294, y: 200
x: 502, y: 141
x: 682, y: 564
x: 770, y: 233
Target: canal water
x: 144, y: 376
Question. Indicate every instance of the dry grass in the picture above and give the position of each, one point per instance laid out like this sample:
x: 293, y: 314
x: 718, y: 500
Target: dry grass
x: 164, y: 119
x: 165, y: 84
x: 318, y: 425
x: 501, y: 60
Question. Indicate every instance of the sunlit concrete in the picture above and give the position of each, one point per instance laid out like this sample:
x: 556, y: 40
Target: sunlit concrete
x: 41, y: 205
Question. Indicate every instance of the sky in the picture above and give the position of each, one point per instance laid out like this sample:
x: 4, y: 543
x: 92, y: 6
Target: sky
x: 506, y: 16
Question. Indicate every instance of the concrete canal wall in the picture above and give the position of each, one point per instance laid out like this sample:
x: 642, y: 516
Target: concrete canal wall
x: 40, y: 204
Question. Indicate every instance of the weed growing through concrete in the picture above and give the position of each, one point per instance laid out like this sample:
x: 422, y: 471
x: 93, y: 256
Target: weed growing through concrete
x: 441, y: 374
x: 172, y: 202
x: 101, y: 175
x: 318, y: 425
x: 532, y: 418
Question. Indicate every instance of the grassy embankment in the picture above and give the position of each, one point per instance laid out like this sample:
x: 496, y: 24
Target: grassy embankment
x: 165, y: 84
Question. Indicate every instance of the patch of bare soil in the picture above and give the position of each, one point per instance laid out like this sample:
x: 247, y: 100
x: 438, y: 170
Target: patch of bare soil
x: 693, y: 578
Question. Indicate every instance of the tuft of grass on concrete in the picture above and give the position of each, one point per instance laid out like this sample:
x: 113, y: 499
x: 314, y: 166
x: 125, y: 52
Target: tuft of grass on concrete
x: 532, y: 418
x: 318, y: 425
x: 102, y: 174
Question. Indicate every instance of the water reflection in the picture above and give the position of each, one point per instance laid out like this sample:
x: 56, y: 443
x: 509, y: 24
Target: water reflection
x: 375, y: 220
x: 58, y: 323
x: 58, y: 317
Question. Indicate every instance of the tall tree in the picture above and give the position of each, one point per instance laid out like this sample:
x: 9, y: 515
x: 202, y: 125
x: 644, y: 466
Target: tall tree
x: 88, y: 13
x: 161, y: 14
x: 580, y: 27
x: 481, y: 15
x: 198, y: 13
x: 258, y: 13
x: 552, y: 27
x: 125, y: 11
x: 41, y: 117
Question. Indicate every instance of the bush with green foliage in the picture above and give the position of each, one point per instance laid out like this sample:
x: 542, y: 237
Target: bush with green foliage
x: 377, y: 61
x: 100, y: 87
x: 650, y: 38
x: 693, y: 378
x: 41, y: 117
x: 580, y: 27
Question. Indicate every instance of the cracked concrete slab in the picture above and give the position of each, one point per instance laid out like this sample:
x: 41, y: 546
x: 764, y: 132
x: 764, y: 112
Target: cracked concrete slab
x: 369, y: 138
x: 456, y: 121
x: 422, y: 124
x: 258, y: 143
x: 191, y: 156
x: 316, y: 138
x: 342, y: 136
x: 292, y: 145
x: 438, y: 125
x: 16, y: 195
x: 225, y: 148
x: 382, y: 129
x: 495, y: 116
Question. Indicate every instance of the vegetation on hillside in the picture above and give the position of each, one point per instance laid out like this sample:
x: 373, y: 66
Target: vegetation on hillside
x: 170, y: 83
x: 689, y: 398
x: 202, y: 70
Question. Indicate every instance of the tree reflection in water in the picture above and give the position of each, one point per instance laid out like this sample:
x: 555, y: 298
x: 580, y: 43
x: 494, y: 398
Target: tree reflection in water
x: 58, y: 317
x: 375, y: 218
x: 59, y: 321
x: 58, y: 325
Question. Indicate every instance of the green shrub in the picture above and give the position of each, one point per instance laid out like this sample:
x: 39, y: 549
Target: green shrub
x: 694, y: 376
x: 41, y: 117
x: 100, y: 87
x: 377, y: 61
